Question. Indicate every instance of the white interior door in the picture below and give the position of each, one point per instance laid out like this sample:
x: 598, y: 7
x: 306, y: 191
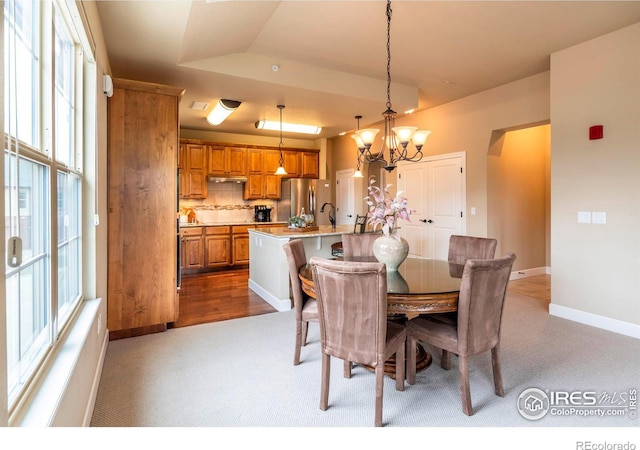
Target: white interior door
x: 347, y: 203
x: 436, y: 190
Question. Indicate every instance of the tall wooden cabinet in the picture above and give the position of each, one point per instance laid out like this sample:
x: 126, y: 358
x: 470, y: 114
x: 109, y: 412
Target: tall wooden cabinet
x: 143, y: 136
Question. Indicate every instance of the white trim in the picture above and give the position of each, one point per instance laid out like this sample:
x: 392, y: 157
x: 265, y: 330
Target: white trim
x: 594, y: 320
x: 525, y: 273
x: 279, y: 304
x: 86, y: 422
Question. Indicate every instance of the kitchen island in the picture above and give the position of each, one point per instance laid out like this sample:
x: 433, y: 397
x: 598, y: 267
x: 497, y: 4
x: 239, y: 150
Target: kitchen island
x: 268, y: 269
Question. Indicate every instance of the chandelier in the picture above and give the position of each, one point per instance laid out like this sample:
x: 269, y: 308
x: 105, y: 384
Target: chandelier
x: 396, y: 139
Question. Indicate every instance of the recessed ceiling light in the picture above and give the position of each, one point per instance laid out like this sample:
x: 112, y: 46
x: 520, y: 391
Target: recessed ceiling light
x: 449, y: 82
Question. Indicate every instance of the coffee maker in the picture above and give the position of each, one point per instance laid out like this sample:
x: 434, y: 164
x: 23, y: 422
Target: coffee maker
x: 262, y: 213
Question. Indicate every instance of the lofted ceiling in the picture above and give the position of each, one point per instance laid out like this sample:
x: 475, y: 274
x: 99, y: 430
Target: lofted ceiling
x: 331, y: 55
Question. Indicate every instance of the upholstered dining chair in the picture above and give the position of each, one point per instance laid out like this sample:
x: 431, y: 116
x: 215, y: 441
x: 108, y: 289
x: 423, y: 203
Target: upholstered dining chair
x: 352, y: 306
x: 358, y: 244
x: 462, y: 248
x: 306, y: 308
x: 477, y: 329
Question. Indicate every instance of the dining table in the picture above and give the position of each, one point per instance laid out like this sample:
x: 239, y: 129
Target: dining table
x: 419, y: 286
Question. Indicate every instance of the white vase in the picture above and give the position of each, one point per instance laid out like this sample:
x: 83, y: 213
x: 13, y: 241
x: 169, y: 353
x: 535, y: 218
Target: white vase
x: 391, y: 250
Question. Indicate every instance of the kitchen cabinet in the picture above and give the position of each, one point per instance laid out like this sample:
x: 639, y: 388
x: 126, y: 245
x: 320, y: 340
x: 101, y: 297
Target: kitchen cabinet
x: 142, y: 156
x: 225, y: 161
x: 309, y: 165
x: 191, y: 248
x: 193, y: 172
x: 217, y: 246
x: 240, y: 243
x: 261, y: 181
x: 291, y: 163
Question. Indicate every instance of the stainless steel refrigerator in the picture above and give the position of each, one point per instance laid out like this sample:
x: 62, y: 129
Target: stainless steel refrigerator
x: 309, y: 194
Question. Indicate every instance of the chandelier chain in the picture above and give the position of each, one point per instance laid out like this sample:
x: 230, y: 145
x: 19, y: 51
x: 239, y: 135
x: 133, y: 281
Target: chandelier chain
x: 389, y: 54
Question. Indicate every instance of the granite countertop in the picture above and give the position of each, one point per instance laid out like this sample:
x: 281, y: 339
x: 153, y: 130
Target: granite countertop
x: 323, y: 230
x: 215, y: 224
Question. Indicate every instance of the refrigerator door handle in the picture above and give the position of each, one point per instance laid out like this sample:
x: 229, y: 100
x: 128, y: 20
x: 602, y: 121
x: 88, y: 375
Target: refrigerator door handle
x: 312, y: 202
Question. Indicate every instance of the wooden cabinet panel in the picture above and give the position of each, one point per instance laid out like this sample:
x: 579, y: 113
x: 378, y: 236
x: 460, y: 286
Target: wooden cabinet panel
x: 227, y: 161
x: 193, y: 174
x: 192, y: 252
x: 237, y: 161
x: 142, y: 160
x: 272, y: 183
x: 217, y: 250
x: 240, y: 249
x: 217, y: 161
x: 309, y: 165
x: 291, y: 163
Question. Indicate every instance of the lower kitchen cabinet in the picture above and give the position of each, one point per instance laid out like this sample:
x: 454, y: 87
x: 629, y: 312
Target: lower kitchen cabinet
x: 206, y: 248
x: 217, y: 246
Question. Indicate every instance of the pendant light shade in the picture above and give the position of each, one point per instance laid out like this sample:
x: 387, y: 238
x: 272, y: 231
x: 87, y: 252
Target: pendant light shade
x: 280, y: 170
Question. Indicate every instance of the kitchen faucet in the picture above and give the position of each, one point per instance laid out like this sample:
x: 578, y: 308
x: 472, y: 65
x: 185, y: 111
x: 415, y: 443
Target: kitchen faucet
x: 332, y: 214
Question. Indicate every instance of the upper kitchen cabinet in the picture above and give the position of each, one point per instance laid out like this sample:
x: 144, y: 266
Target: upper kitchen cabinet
x: 225, y: 161
x: 291, y: 163
x: 142, y: 161
x: 262, y: 183
x: 309, y: 165
x: 193, y: 170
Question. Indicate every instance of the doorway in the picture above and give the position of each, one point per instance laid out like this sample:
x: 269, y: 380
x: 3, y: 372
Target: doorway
x: 519, y: 196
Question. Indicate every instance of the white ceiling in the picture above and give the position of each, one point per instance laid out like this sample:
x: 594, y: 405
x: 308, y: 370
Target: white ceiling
x: 332, y: 54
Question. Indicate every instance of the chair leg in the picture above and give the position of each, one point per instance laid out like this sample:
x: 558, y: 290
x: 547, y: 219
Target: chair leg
x: 497, y: 371
x: 400, y: 370
x: 379, y: 388
x: 324, y: 386
x: 465, y: 391
x: 445, y: 360
x: 296, y: 353
x: 305, y: 329
x: 412, y: 354
x: 347, y: 368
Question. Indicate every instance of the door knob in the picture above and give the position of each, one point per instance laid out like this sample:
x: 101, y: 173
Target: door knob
x: 426, y: 221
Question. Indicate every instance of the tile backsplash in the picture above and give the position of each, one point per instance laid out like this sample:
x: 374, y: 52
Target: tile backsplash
x: 224, y: 203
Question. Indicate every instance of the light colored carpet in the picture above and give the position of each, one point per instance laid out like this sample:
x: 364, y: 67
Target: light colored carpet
x: 239, y: 373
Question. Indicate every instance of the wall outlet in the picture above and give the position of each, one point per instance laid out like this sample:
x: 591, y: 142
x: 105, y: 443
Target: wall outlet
x: 584, y: 217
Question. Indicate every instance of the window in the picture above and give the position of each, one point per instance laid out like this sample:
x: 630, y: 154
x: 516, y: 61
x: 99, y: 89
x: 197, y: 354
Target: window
x: 43, y: 179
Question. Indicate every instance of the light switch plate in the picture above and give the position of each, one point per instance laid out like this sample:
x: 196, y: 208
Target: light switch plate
x: 584, y: 217
x: 599, y: 217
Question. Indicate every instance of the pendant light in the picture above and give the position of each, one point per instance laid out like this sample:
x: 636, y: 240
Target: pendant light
x: 280, y: 170
x: 395, y: 139
x: 360, y: 146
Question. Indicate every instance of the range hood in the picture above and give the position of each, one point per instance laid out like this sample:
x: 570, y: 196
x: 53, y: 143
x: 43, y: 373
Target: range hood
x: 227, y: 179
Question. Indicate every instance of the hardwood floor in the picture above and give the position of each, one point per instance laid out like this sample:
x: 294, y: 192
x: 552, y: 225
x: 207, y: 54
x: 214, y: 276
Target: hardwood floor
x: 212, y: 297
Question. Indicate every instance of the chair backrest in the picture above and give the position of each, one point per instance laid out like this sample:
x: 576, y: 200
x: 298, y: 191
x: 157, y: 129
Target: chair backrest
x: 296, y: 258
x: 352, y: 308
x: 357, y: 244
x: 361, y: 223
x: 463, y: 248
x: 482, y: 293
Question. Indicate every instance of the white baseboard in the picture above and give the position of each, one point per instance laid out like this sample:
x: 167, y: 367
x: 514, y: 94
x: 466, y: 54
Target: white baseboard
x: 524, y: 273
x: 594, y: 320
x: 86, y: 422
x: 279, y: 304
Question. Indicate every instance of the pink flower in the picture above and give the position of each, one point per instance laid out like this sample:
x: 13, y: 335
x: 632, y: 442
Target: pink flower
x: 385, y: 210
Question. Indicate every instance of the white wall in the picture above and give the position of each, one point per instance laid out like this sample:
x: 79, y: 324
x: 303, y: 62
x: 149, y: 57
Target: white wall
x: 596, y: 267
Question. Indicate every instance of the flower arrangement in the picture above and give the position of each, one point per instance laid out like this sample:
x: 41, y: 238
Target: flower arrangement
x: 385, y: 210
